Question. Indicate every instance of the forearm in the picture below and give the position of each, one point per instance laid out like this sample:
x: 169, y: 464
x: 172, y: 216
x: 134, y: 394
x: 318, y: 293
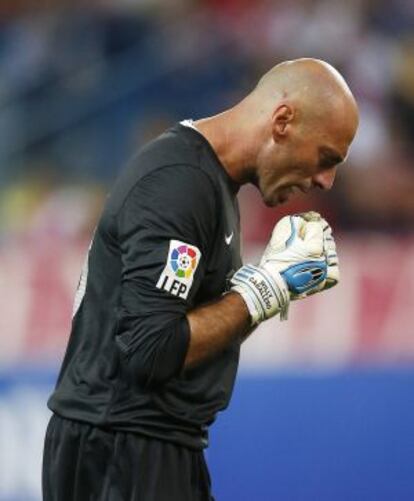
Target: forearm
x: 215, y: 325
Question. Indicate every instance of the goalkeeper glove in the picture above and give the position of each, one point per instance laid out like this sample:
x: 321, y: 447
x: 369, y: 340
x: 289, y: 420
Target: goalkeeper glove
x: 294, y: 265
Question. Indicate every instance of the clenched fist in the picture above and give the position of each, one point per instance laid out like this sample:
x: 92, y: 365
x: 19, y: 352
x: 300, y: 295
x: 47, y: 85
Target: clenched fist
x: 299, y: 260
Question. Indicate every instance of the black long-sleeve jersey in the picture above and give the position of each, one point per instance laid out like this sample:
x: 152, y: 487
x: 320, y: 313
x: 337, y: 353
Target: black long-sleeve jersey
x: 168, y: 240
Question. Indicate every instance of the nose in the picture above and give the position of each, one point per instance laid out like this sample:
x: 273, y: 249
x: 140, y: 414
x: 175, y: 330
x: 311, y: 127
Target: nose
x: 325, y: 179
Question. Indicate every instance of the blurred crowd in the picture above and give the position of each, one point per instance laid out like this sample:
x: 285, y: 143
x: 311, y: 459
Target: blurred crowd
x: 84, y: 83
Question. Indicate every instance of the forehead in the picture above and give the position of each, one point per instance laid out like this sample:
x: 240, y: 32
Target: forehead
x: 338, y: 122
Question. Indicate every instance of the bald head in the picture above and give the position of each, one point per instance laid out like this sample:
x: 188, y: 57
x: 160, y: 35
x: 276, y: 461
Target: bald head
x: 315, y: 89
x: 301, y: 75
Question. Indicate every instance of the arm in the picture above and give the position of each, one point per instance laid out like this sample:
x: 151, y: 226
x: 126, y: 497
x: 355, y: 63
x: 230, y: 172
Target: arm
x: 216, y: 325
x: 299, y: 260
x: 170, y: 207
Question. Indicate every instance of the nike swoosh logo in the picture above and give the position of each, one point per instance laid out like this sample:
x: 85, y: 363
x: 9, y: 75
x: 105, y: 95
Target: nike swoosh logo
x: 229, y: 238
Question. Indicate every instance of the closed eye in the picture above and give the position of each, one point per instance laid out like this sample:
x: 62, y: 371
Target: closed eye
x: 329, y: 158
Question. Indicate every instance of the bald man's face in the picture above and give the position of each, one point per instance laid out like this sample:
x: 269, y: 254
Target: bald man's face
x: 297, y: 159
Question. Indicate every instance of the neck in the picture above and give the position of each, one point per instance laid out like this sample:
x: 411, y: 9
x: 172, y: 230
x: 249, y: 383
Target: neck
x: 231, y: 136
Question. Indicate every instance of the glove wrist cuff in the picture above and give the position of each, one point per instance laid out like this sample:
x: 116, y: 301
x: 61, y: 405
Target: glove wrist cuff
x: 254, y: 311
x: 265, y: 294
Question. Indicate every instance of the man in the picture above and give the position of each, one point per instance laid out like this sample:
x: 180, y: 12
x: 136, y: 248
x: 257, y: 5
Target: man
x: 164, y: 302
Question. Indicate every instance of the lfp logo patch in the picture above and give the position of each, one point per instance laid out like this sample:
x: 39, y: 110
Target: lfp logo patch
x: 178, y: 274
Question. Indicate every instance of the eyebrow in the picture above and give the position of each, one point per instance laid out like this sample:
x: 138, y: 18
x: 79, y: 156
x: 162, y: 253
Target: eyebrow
x: 329, y: 157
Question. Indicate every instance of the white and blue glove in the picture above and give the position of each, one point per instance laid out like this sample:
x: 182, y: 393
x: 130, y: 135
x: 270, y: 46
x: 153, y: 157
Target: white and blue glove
x: 299, y: 260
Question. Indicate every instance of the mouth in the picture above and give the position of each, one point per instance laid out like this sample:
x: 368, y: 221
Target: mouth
x: 303, y: 188
x: 293, y: 190
x: 283, y: 195
x: 290, y: 191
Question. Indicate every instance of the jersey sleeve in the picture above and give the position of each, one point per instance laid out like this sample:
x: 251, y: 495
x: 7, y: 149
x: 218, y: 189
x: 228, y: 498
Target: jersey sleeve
x: 165, y: 232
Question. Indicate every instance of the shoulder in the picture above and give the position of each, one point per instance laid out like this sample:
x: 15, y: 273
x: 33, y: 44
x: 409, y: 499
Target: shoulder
x: 175, y: 203
x: 174, y: 189
x: 170, y: 164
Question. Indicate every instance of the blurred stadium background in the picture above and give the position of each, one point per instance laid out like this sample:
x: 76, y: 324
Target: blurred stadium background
x: 323, y: 408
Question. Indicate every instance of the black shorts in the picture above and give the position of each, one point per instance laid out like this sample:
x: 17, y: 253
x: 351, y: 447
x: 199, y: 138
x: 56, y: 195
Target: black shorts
x: 84, y: 463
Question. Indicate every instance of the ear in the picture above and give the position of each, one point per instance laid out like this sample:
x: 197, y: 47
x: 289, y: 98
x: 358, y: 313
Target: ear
x: 282, y: 116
